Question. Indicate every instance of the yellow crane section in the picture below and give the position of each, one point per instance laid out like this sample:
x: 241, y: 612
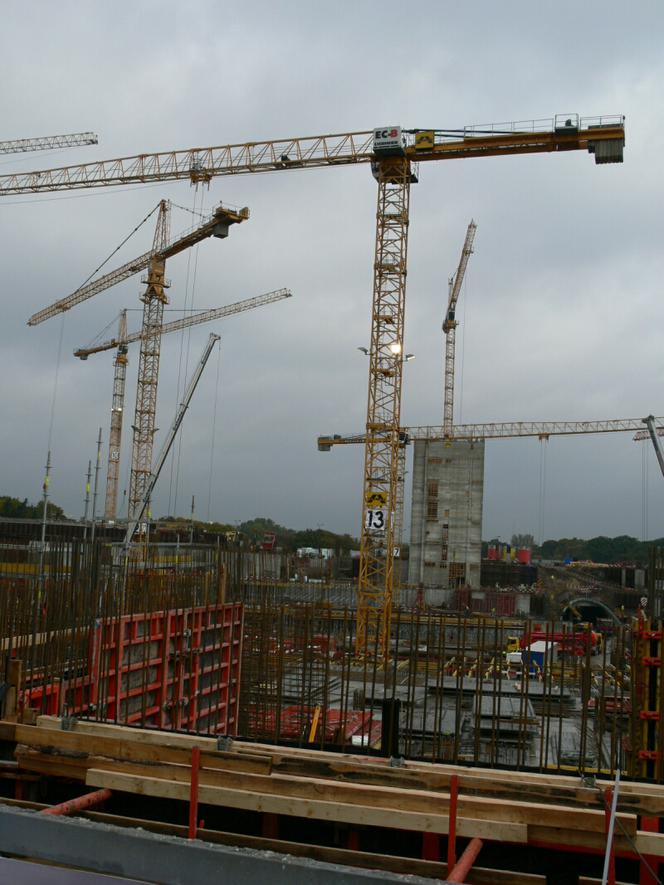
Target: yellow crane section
x: 194, y: 319
x: 216, y: 225
x: 603, y: 136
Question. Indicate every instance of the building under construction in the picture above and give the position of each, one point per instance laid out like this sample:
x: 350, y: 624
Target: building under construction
x: 446, y: 517
x: 173, y: 711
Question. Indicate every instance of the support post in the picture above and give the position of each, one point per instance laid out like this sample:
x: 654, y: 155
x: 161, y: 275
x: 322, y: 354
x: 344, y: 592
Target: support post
x: 430, y: 846
x: 193, y: 791
x: 610, y: 876
x: 451, y: 832
x: 649, y: 876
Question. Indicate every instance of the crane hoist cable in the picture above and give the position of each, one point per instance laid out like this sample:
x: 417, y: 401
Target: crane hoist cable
x: 118, y: 247
x: 213, y: 438
x: 189, y: 293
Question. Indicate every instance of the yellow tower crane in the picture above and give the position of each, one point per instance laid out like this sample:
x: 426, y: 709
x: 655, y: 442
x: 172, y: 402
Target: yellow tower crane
x: 154, y: 298
x: 449, y: 328
x: 121, y: 344
x: 392, y: 153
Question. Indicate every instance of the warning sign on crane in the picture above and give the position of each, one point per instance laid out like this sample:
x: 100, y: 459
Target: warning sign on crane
x: 376, y: 499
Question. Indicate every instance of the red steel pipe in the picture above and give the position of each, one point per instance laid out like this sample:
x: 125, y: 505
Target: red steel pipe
x: 466, y: 861
x: 79, y: 804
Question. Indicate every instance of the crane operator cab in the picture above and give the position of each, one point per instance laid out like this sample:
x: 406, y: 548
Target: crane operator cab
x: 388, y: 142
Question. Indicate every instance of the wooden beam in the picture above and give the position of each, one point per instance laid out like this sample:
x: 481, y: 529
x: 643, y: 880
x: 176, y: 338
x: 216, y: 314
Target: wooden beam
x: 339, y: 812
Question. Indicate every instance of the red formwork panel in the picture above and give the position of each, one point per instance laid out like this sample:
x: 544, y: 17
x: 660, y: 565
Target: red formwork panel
x: 173, y: 669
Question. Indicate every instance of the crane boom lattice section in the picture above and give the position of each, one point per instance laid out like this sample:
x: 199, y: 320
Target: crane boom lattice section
x: 383, y: 409
x: 47, y: 142
x: 449, y: 328
x: 603, y: 136
x: 196, y: 319
x: 148, y: 379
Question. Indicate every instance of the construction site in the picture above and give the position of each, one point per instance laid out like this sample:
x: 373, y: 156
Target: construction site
x: 177, y: 707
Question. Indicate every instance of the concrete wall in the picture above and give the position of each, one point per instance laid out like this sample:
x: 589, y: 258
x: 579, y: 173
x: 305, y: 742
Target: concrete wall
x: 446, y: 516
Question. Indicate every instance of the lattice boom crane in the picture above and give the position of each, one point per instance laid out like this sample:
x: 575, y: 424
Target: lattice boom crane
x: 391, y: 152
x: 449, y: 327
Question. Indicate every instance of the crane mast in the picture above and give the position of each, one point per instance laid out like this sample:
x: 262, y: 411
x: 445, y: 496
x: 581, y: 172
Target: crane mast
x: 381, y: 457
x: 154, y: 298
x: 449, y: 328
x: 117, y: 412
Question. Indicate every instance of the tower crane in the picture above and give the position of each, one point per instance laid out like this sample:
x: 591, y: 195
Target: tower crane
x: 117, y: 413
x: 121, y: 344
x: 449, y: 328
x: 393, y: 154
x: 47, y: 142
x: 154, y: 298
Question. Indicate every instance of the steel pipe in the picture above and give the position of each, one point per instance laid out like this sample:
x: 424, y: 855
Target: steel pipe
x: 465, y: 862
x: 79, y: 804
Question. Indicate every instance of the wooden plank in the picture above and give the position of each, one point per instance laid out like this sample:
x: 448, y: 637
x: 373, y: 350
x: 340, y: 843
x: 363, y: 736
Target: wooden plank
x: 650, y: 843
x: 301, y: 755
x: 7, y: 731
x: 309, y: 808
x: 634, y: 797
x: 479, y: 808
x: 121, y: 748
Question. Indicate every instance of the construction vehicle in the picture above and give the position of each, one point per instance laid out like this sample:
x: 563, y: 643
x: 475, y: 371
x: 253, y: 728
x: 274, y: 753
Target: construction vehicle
x: 393, y: 153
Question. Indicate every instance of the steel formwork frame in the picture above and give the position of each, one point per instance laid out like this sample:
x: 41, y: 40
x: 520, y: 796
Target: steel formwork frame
x: 647, y: 735
x: 177, y: 669
x: 381, y: 464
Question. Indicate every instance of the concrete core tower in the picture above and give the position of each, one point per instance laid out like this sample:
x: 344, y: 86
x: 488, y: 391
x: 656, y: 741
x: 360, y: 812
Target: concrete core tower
x: 446, y: 518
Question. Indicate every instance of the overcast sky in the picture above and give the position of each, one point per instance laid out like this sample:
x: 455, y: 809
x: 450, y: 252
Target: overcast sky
x: 561, y: 313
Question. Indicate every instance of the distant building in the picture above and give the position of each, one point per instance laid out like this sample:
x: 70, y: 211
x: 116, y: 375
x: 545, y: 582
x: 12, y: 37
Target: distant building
x: 318, y: 552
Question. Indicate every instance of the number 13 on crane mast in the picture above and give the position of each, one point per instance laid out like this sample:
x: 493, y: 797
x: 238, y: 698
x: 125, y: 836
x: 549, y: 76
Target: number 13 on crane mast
x: 375, y: 514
